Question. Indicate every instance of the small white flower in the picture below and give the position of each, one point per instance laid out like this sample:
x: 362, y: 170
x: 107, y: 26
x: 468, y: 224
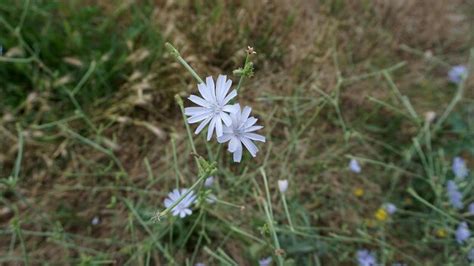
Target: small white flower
x: 240, y: 132
x: 283, y: 185
x: 430, y: 116
x: 209, y: 181
x: 211, y: 198
x: 213, y: 106
x: 95, y: 220
x: 183, y: 208
x: 354, y: 166
x: 390, y: 208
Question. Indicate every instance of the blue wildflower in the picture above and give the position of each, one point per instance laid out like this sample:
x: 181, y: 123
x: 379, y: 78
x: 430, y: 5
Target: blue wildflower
x: 470, y: 255
x: 457, y: 73
x: 390, y: 208
x: 462, y: 233
x: 265, y: 261
x: 459, y: 168
x: 209, y: 181
x: 454, y: 195
x: 354, y: 166
x: 470, y: 209
x: 366, y: 258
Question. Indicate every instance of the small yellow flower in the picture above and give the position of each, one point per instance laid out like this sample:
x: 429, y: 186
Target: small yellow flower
x: 381, y: 214
x: 441, y: 233
x: 358, y: 192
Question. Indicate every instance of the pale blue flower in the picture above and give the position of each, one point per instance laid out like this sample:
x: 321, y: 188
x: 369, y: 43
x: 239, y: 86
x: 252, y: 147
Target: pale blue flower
x: 459, y: 168
x: 366, y: 258
x: 390, y: 208
x: 209, y: 181
x: 265, y: 261
x: 462, y: 233
x: 454, y: 195
x: 241, y: 132
x: 199, y: 264
x: 213, y: 106
x: 457, y: 73
x: 354, y: 166
x: 470, y: 209
x: 182, y: 209
x: 470, y: 255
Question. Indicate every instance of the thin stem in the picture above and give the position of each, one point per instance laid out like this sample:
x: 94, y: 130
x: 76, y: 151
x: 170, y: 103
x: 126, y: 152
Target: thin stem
x: 188, y: 130
x: 242, y: 76
x: 287, y: 212
x: 183, y: 62
x: 175, y: 161
x: 267, y: 191
x: 22, y: 242
x: 272, y: 231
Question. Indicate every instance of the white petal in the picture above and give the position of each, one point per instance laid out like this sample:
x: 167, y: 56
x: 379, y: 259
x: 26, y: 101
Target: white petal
x: 227, y: 86
x: 229, y: 97
x: 168, y: 203
x: 202, y: 125
x: 255, y: 137
x: 234, y: 144
x: 226, y: 118
x: 250, y: 146
x: 205, y: 92
x: 254, y: 128
x: 191, y: 111
x: 211, y: 87
x: 246, y: 113
x: 199, y: 101
x: 238, y: 153
x: 224, y: 138
x: 174, y: 195
x: 249, y: 122
x: 197, y: 118
x: 210, y: 130
x: 182, y: 214
x: 231, y: 108
x: 228, y: 130
x: 218, y: 127
x: 220, y: 88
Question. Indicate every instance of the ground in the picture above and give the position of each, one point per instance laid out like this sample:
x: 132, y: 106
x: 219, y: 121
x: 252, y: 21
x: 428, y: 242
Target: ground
x: 92, y: 139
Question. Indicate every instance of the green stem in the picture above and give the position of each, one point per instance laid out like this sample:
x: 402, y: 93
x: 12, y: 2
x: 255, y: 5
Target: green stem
x: 183, y: 62
x: 188, y: 130
x: 242, y: 76
x: 285, y: 206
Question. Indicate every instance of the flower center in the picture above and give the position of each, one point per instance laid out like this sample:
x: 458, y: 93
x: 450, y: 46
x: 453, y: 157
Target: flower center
x: 216, y: 109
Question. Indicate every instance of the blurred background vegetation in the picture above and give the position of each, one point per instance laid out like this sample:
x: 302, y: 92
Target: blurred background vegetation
x: 91, y: 140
